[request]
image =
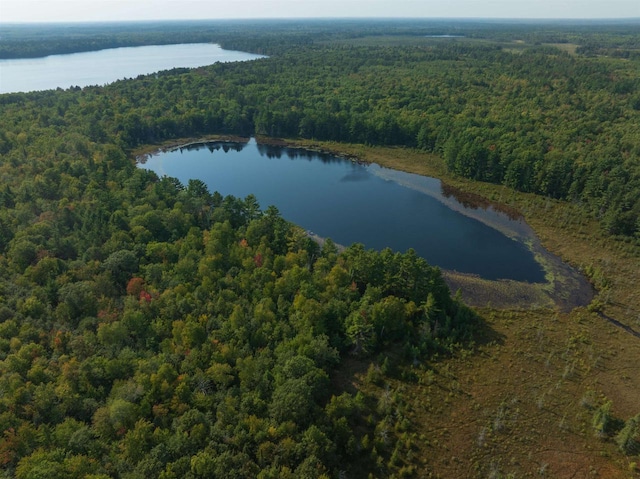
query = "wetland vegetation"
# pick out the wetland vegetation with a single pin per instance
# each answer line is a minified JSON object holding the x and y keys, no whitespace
{"x":150,"y":328}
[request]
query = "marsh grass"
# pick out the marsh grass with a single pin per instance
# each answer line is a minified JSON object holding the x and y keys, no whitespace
{"x":559,"y":363}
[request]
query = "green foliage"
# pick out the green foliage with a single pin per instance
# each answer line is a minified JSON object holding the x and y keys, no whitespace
{"x":603,"y":421}
{"x":628,"y":439}
{"x":148,"y":329}
{"x":495,"y":114}
{"x":121,"y":265}
{"x":141,"y":336}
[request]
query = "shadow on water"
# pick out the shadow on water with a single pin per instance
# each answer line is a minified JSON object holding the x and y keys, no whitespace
{"x":563,"y":287}
{"x":367,"y":210}
{"x":473,"y":201}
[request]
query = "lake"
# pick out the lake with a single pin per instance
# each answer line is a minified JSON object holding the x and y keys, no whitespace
{"x":106,"y":66}
{"x":351,"y":202}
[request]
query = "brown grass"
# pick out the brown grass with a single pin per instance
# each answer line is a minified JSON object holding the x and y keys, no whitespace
{"x":520,"y":403}
{"x":565,"y":47}
{"x":503,"y":294}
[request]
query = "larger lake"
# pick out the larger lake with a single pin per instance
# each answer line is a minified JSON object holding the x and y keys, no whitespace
{"x":351,"y":202}
{"x":106,"y":66}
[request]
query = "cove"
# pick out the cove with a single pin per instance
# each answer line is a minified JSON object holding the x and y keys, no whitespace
{"x":351,"y":202}
{"x":106,"y":66}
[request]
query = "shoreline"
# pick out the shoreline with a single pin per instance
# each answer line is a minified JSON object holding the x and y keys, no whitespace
{"x":565,"y":287}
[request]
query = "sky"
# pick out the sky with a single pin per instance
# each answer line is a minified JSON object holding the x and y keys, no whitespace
{"x":126,"y":10}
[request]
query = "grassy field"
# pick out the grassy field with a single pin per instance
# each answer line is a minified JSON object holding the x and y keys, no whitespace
{"x":570,"y":48}
{"x":520,"y":401}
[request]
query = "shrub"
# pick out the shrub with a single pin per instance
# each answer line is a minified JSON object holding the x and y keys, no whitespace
{"x":628,"y":439}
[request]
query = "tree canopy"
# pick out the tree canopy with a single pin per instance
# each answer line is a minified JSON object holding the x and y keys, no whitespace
{"x":535,"y":117}
{"x":154,"y":329}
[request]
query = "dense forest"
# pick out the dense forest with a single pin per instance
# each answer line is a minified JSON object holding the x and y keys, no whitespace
{"x":617,"y":38}
{"x":490,"y":111}
{"x":154,"y":329}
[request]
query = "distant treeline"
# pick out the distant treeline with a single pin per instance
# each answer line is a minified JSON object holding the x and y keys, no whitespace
{"x":613,"y":38}
{"x":154,"y":329}
{"x":536,"y":119}
{"x":30,"y":41}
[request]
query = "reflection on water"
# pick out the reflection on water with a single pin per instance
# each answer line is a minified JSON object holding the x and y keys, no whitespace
{"x":471,"y":201}
{"x":352,"y":202}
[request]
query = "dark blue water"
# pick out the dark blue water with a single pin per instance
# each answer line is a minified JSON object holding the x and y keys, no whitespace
{"x":351,"y":202}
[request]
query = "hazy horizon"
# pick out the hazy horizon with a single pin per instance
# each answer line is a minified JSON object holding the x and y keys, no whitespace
{"x":585,"y":20}
{"x":79,"y":11}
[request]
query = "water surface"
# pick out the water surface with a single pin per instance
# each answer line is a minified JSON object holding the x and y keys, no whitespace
{"x":351,"y":202}
{"x":106,"y":66}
